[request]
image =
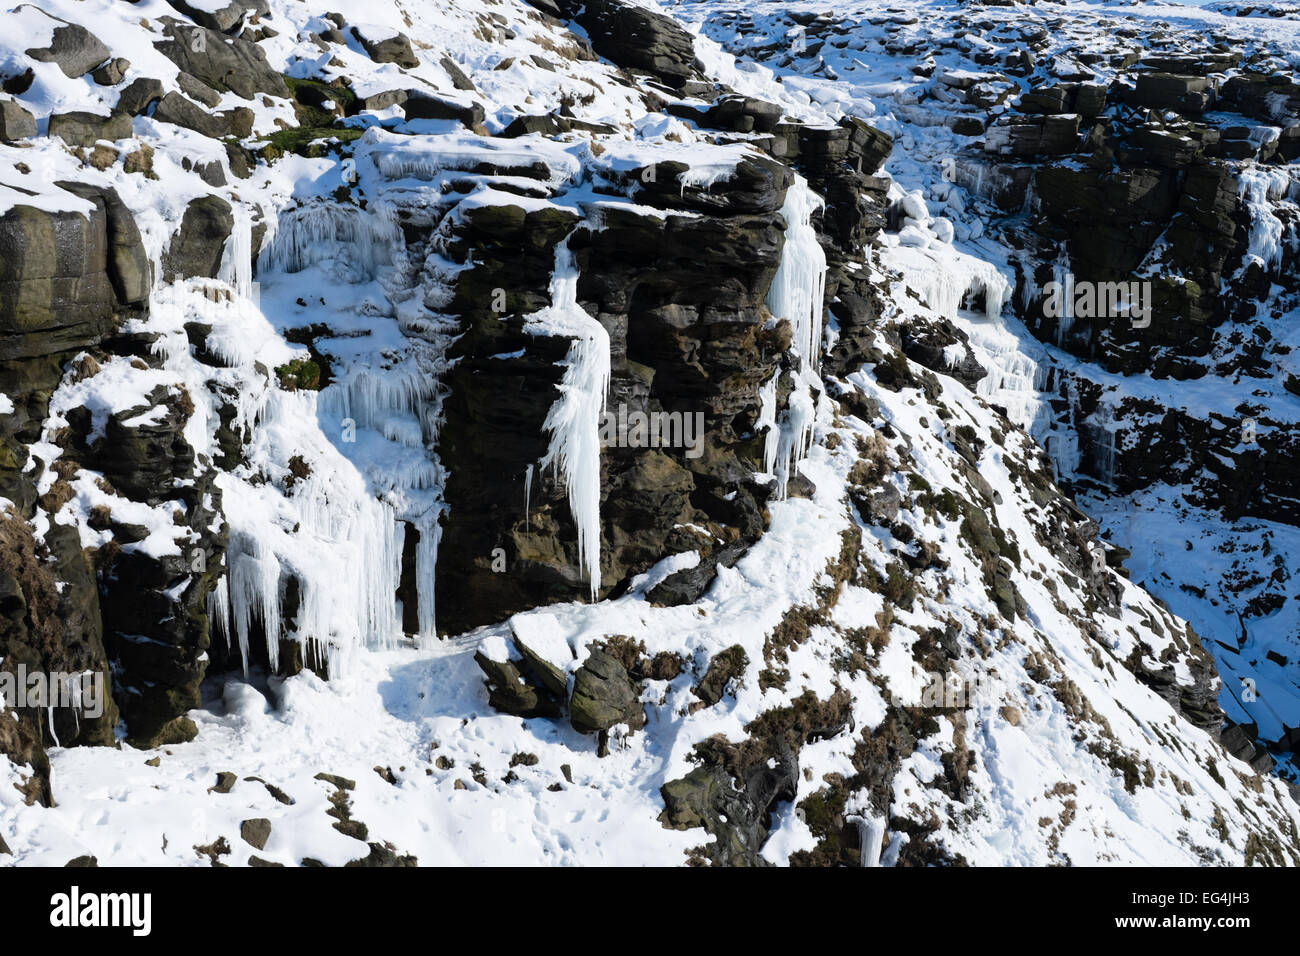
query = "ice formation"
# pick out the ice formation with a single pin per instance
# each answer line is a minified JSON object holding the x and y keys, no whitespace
{"x":797,"y":294}
{"x":574,"y":420}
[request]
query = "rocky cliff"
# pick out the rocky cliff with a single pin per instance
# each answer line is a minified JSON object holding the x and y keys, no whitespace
{"x":445,"y":425}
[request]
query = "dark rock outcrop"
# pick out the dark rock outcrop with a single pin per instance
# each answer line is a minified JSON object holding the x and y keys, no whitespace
{"x":603,"y":696}
{"x":636,"y":38}
{"x":197,"y":246}
{"x":222,"y":62}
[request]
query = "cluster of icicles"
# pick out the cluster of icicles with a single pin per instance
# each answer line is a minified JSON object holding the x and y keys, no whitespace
{"x":348,"y":520}
{"x":323,"y":564}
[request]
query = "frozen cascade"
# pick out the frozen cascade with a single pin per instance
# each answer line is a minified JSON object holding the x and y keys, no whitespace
{"x":330,"y":529}
{"x":528,"y":495}
{"x":944,"y":284}
{"x":1064,"y":280}
{"x":357,"y":240}
{"x":236,"y":268}
{"x":1262,"y":188}
{"x":253,"y":574}
{"x":871,"y":832}
{"x":574,"y":419}
{"x":797,"y":294}
{"x":347,"y":520}
{"x":798,"y":291}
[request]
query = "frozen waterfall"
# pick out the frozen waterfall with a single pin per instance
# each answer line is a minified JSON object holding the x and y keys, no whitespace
{"x":797,"y":294}
{"x":574,"y":419}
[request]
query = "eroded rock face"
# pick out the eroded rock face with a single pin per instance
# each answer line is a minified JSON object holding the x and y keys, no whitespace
{"x":64,"y":276}
{"x":680,"y":297}
{"x":48,"y":632}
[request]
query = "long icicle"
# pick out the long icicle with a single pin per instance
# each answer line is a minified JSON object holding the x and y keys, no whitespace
{"x":574,"y":419}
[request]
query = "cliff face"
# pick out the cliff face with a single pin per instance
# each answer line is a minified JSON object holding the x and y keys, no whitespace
{"x":574,"y":403}
{"x":1143,"y":199}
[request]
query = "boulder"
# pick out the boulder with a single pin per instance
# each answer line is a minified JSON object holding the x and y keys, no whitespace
{"x":511,"y":692}
{"x":421,"y":105}
{"x":139,"y":95}
{"x":197,"y":246}
{"x":227,"y":19}
{"x":181,"y":111}
{"x":222,"y":62}
{"x":603,"y":696}
{"x":112,"y":72}
{"x":636,"y":38}
{"x":197,"y":90}
{"x":86,"y":129}
{"x":15,"y":122}
{"x":394,"y":48}
{"x":255,"y":832}
{"x":74,"y":48}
